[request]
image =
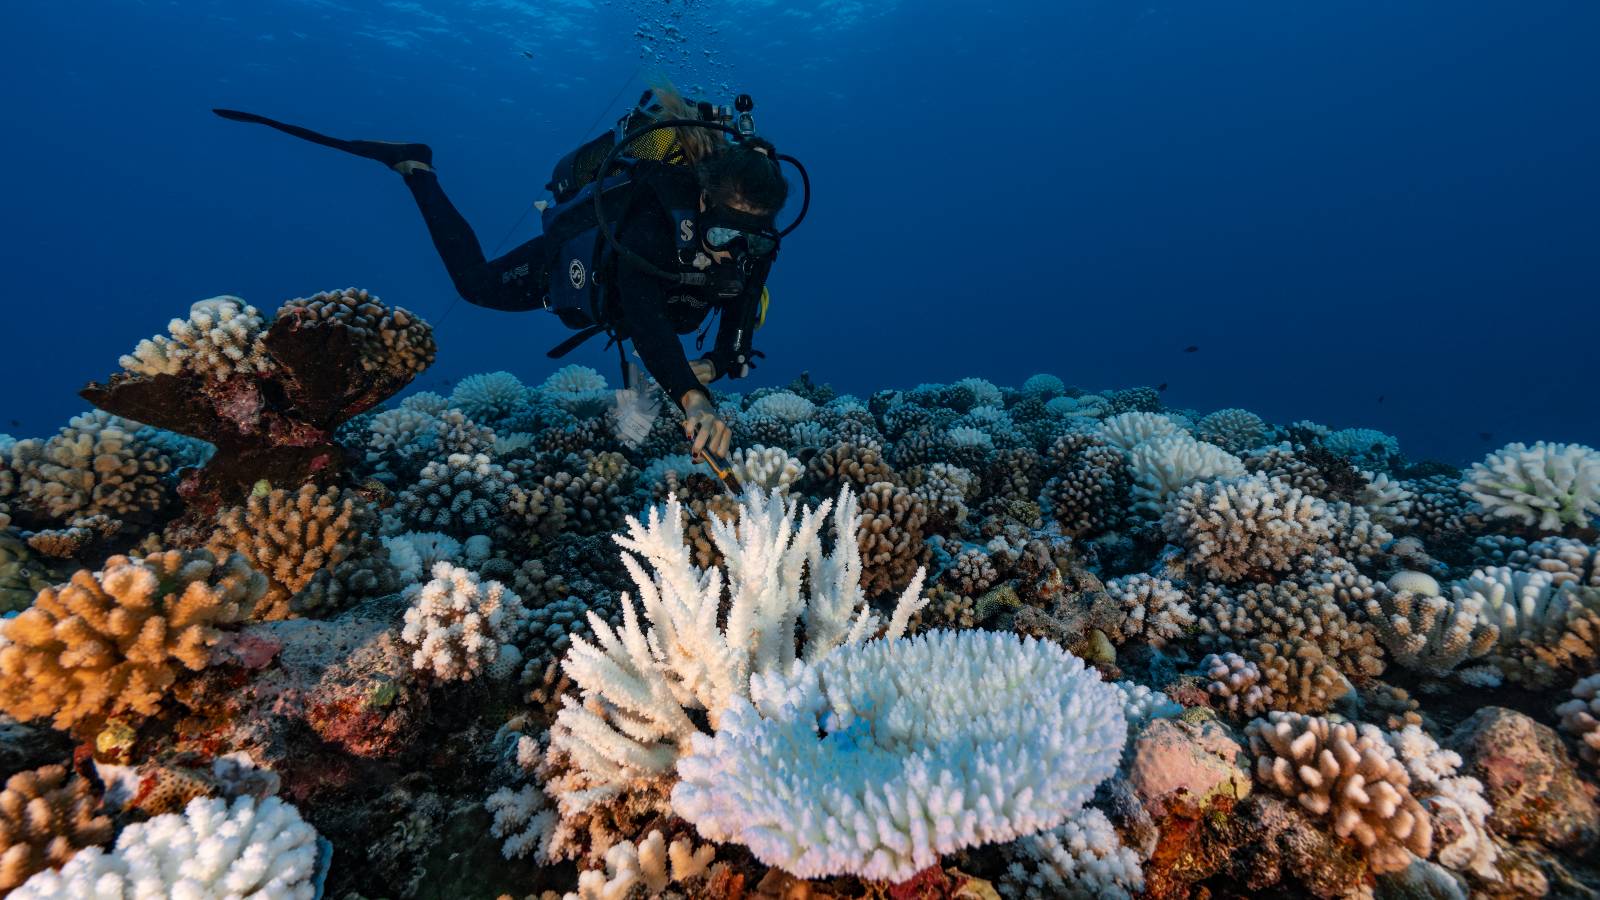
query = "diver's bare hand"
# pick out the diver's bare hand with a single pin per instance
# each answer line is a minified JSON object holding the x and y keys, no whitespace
{"x":702,"y":427}
{"x":704,"y":370}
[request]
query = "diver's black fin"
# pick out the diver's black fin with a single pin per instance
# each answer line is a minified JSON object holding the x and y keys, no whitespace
{"x":389,"y":153}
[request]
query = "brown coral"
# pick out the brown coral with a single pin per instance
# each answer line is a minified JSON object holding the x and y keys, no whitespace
{"x":1348,"y":774}
{"x":94,"y":465}
{"x":45,"y":819}
{"x":1298,"y":677}
{"x":891,"y":537}
{"x":1247,"y":528}
{"x":114,"y":641}
{"x":857,"y":465}
{"x":1302,"y":609}
{"x":317,"y":548}
{"x":1089,"y":493}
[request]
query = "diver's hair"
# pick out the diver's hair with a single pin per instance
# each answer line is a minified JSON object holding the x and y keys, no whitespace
{"x":747,"y":172}
{"x":696,"y":143}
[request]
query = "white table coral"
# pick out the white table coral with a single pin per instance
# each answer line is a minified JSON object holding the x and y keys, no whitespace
{"x":883,"y":756}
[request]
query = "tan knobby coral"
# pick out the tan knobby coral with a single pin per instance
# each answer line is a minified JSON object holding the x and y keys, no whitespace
{"x":46,"y":818}
{"x":316,"y":547}
{"x":1349,"y":774}
{"x":1431,"y":634}
{"x":1580,"y":717}
{"x":94,"y":465}
{"x":113,"y":642}
{"x":221,"y":338}
{"x":391,"y":337}
{"x":1236,"y":685}
{"x":891,"y":537}
{"x":1247,"y":527}
{"x":1152,"y":609}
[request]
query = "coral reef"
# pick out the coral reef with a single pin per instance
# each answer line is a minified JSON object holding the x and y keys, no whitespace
{"x":842,"y":766}
{"x":327,"y":358}
{"x":114,"y":641}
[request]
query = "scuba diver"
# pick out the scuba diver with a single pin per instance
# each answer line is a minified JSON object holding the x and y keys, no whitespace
{"x":658,"y":224}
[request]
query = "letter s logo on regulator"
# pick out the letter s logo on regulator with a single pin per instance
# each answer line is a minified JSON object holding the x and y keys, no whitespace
{"x":576,"y":274}
{"x":686,"y":230}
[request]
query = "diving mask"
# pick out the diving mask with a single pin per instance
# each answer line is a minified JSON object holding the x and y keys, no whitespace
{"x":725,"y":229}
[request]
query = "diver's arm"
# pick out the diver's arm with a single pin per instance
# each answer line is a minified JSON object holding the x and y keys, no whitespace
{"x":736,"y":329}
{"x":512,"y":283}
{"x":643,"y":301}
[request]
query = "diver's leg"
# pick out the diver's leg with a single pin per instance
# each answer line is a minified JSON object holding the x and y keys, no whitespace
{"x":514,"y":281}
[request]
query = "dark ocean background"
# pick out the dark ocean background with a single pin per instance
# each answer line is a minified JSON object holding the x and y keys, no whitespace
{"x":1370,"y":214}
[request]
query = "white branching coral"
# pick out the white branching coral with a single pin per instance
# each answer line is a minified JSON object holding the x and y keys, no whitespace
{"x":650,"y":866}
{"x":616,"y":743}
{"x":784,"y":406}
{"x":1348,"y":773}
{"x":524,"y":818}
{"x":577,"y":389}
{"x":221,"y":338}
{"x":1545,"y":626}
{"x":405,"y":432}
{"x":1580,"y":717}
{"x":881,"y":757}
{"x":1247,"y":526}
{"x":462,"y":627}
{"x":770,"y":468}
{"x":212,"y":851}
{"x":1431,"y":634}
{"x":416,"y":552}
{"x":1080,"y":859}
{"x":1388,"y":501}
{"x":1456,"y":804}
{"x":1548,"y":486}
{"x":1165,"y":465}
{"x":1154,"y":610}
{"x":1130,"y":429}
{"x":489,"y":397}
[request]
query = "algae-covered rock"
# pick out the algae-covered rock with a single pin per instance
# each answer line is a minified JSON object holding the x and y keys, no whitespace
{"x":1528,"y":778}
{"x":1191,"y":763}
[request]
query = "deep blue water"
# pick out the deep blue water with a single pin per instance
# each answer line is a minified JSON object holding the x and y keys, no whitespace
{"x":1337,"y":202}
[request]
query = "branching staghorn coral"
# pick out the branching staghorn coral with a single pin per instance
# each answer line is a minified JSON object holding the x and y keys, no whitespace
{"x":1080,"y":859}
{"x":1153,"y":610}
{"x":46,"y":818}
{"x":1580,"y":718}
{"x":1163,"y":466}
{"x":1349,"y":774}
{"x":461,"y":627}
{"x":221,"y":338}
{"x":112,"y":642}
{"x":319,"y":549}
{"x":878,"y":758}
{"x":212,"y":851}
{"x":613,"y":748}
{"x":1547,"y":486}
{"x":1247,"y":527}
{"x":94,"y":466}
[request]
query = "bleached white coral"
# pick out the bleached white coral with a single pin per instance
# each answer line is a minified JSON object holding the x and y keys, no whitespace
{"x":1089,"y":406}
{"x":578,"y":389}
{"x":967,"y":436}
{"x":461,"y":627}
{"x":784,"y":406}
{"x":1546,"y":485}
{"x":212,"y":850}
{"x":1141,"y":704}
{"x":1546,"y":625}
{"x":882,"y":756}
{"x":984,"y":390}
{"x":1130,"y":429}
{"x":405,"y":432}
{"x":1043,"y":385}
{"x":426,"y":402}
{"x":1080,"y":859}
{"x":1164,"y":465}
{"x":770,"y":468}
{"x":221,"y":338}
{"x":489,"y":397}
{"x":1459,"y":811}
{"x":1154,"y":610}
{"x":639,"y":683}
{"x":1388,"y":500}
{"x":525,"y":820}
{"x":415,"y":552}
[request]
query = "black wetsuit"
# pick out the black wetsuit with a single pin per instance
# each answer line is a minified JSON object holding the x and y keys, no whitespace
{"x":643,"y":308}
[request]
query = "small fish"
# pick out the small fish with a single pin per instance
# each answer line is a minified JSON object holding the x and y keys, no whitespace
{"x":527,"y":54}
{"x":1191,"y":349}
{"x":1161,"y":388}
{"x":1485,"y":435}
{"x":1380,"y":398}
{"x":15,"y":423}
{"x":261,"y":488}
{"x":541,"y":205}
